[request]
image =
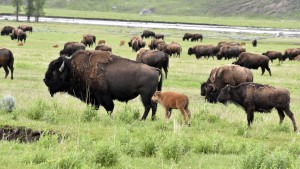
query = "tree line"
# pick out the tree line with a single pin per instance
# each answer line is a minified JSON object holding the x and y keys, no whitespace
{"x":32,"y":8}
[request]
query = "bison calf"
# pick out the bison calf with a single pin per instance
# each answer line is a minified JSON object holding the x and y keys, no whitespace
{"x":257,"y":97}
{"x":172,"y":100}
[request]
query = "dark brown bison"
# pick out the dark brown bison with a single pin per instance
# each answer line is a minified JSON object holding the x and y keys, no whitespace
{"x":147,"y":34}
{"x":90,"y":35}
{"x":18,"y":34}
{"x":154,"y":43}
{"x":222,"y":76}
{"x":172,"y":100}
{"x":254,"y":61}
{"x":7,"y":62}
{"x":154,"y":58}
{"x":291,"y":53}
{"x":272,"y":55}
{"x":25,"y":28}
{"x":71,"y":47}
{"x":103,"y":48}
{"x":257,"y":97}
{"x":196,"y":37}
{"x":171,"y":49}
{"x":137,"y":44}
{"x":99,"y":77}
{"x":6,"y":30}
{"x":254,"y":43}
{"x":135,"y":37}
{"x":87,"y":40}
{"x":187,"y":36}
{"x":159,"y":36}
{"x":203,"y":50}
{"x":229,"y":52}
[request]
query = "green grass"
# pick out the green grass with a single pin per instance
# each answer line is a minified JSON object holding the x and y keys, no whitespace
{"x":218,"y":136}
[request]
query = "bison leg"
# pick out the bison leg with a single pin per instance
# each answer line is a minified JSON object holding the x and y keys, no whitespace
{"x":167,"y":116}
{"x":166,"y":70}
{"x":262,"y":70}
{"x":291,"y":116}
{"x":281,"y":115}
{"x":147,"y":105}
{"x":11,"y":72}
{"x":183,"y":113}
{"x":6,"y":71}
{"x":154,"y":109}
{"x":269,"y":70}
{"x":189,"y":116}
{"x":250,"y":117}
{"x":170,"y":112}
{"x":108,"y":104}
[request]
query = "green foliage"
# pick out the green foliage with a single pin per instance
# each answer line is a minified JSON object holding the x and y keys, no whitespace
{"x":254,"y":158}
{"x":89,"y":113}
{"x":128,"y":115}
{"x":106,"y":155}
{"x":48,"y":141}
{"x":36,"y":157}
{"x":71,"y":161}
{"x":173,"y":148}
{"x":149,"y":146}
{"x":207,"y":145}
{"x":278,"y":159}
{"x":37,"y":110}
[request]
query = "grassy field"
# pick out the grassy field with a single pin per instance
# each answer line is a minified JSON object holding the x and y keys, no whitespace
{"x":218,"y":136}
{"x":219,"y":20}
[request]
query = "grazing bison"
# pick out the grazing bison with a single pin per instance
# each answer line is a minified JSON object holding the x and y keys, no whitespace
{"x":229,"y":52}
{"x":172,"y":100}
{"x":203,"y":50}
{"x":25,"y":28}
{"x":6,"y":30}
{"x":196,"y":37}
{"x":154,"y":43}
{"x":122,"y":43}
{"x":291,"y":53}
{"x":272,"y":55}
{"x":135,"y":37}
{"x":187,"y":36}
{"x":137,"y":44}
{"x":71,"y":47}
{"x":18,"y":34}
{"x":154,"y":58}
{"x":159,"y":36}
{"x":99,"y":77}
{"x":257,"y":97}
{"x":222,"y":76}
{"x":87,"y":40}
{"x":92,"y":36}
{"x":171,"y":49}
{"x":147,"y":34}
{"x":254,"y":43}
{"x":254,"y":61}
{"x":103,"y":48}
{"x":101,"y":42}
{"x":7,"y":62}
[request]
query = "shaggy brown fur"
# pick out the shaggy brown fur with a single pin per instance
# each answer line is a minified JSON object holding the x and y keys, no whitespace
{"x":172,"y":100}
{"x":101,"y":42}
{"x":122,"y":42}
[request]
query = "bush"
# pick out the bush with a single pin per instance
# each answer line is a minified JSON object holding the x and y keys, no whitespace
{"x":206,"y":146}
{"x":148,"y":147}
{"x":89,"y":114}
{"x":70,"y":162}
{"x":106,"y":155}
{"x":278,"y":159}
{"x":8,"y":103}
{"x":128,"y":115}
{"x":37,"y":110}
{"x":173,"y":149}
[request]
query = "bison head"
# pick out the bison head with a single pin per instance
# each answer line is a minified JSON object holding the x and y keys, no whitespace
{"x":203,"y":89}
{"x":211,"y":93}
{"x":57,"y":76}
{"x":191,"y":51}
{"x":156,"y":96}
{"x":224,"y":95}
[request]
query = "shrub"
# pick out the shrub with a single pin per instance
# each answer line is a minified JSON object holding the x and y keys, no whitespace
{"x":70,"y":162}
{"x":8,"y":103}
{"x":37,"y":110}
{"x":106,"y":155}
{"x":148,"y":147}
{"x":128,"y":115}
{"x":89,"y":114}
{"x":173,"y":149}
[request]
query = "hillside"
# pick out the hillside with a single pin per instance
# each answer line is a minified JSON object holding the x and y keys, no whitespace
{"x":245,"y":8}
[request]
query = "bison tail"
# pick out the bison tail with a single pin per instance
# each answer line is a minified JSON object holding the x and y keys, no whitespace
{"x":159,"y":85}
{"x":11,"y":63}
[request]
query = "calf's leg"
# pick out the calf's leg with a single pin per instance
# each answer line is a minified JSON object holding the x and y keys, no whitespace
{"x":183,"y":113}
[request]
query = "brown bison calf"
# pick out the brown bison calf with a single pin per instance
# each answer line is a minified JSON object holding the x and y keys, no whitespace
{"x":122,"y":43}
{"x":172,"y":100}
{"x":257,"y":97}
{"x":101,"y":42}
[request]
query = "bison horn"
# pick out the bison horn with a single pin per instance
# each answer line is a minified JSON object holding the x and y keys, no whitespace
{"x":62,"y":67}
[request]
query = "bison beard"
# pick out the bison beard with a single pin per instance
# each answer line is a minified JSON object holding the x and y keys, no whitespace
{"x":98,"y":78}
{"x":261,"y":98}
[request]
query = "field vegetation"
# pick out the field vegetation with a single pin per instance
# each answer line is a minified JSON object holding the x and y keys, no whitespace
{"x":218,"y":136}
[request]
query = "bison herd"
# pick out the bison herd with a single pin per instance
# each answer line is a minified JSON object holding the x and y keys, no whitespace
{"x":98,"y":77}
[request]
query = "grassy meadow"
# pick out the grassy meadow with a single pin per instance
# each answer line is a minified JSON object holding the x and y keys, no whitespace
{"x":218,"y":136}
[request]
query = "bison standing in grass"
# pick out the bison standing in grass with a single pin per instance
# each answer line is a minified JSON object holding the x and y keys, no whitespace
{"x":7,"y":61}
{"x":203,"y":50}
{"x":25,"y":28}
{"x":6,"y":30}
{"x":172,"y":100}
{"x":99,"y":77}
{"x":187,"y":36}
{"x":261,"y":98}
{"x":147,"y":34}
{"x":291,"y":53}
{"x":272,"y":55}
{"x":196,"y":37}
{"x":71,"y":47}
{"x":254,"y":61}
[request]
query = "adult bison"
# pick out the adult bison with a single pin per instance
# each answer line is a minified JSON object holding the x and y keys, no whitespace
{"x":90,"y":35}
{"x":257,"y":97}
{"x":71,"y":47}
{"x":99,"y":77}
{"x":272,"y":55}
{"x":18,"y":34}
{"x":25,"y":28}
{"x":203,"y":50}
{"x":147,"y":34}
{"x":171,"y":49}
{"x":196,"y":37}
{"x":154,"y":43}
{"x":254,"y":42}
{"x":7,"y":62}
{"x":159,"y":36}
{"x":88,"y":40}
{"x":254,"y":61}
{"x":222,"y":76}
{"x":187,"y":36}
{"x":229,"y":52}
{"x":154,"y":58}
{"x":103,"y":48}
{"x":291,"y":53}
{"x":6,"y":30}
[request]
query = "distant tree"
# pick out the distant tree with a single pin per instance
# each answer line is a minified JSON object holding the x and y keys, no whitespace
{"x":39,"y":9}
{"x":29,"y":9}
{"x":17,"y":4}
